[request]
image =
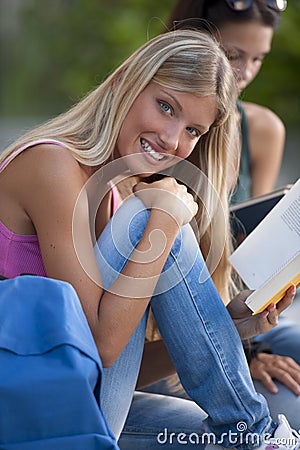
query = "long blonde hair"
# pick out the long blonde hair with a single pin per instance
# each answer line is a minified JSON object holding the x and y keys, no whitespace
{"x":185,"y":60}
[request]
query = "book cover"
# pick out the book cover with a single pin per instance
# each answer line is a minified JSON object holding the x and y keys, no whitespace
{"x":268,"y":260}
{"x":246,"y":215}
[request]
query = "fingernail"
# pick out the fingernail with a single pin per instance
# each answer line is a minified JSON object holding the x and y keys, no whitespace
{"x":293,"y":289}
{"x":298,"y":390}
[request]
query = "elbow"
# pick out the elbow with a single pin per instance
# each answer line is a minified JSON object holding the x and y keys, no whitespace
{"x":109,"y":344}
{"x":107,"y":362}
{"x":108,"y":356}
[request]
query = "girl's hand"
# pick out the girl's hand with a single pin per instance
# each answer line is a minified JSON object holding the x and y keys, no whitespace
{"x":169,"y":196}
{"x":268,"y":367}
{"x":249,"y":325}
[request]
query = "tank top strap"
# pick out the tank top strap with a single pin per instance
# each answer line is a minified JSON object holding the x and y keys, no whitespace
{"x":29,"y":144}
{"x":245,"y":134}
{"x":115,"y":198}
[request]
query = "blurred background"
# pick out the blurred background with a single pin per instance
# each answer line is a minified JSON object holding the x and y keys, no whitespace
{"x":54,"y":52}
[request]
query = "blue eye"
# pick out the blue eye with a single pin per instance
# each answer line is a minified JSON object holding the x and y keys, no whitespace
{"x":165,"y":107}
{"x":193,"y":131}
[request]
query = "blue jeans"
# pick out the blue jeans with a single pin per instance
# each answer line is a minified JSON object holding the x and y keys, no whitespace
{"x":283,"y":340}
{"x":157,"y":422}
{"x":159,"y":407}
{"x":197,"y":330}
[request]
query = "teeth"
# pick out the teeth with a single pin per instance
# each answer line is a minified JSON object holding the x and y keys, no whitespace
{"x":150,"y":151}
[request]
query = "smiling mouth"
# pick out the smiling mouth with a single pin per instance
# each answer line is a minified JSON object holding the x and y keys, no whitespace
{"x":149,"y":150}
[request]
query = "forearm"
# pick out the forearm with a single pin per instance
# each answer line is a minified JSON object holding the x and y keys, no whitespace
{"x":123,"y":305}
{"x":156,"y":364}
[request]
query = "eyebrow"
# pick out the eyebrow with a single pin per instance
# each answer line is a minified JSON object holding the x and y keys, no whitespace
{"x":233,"y":47}
{"x":174,"y":99}
{"x":202,"y":128}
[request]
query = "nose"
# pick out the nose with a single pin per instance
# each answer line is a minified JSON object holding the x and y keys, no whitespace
{"x":245,"y":72}
{"x":170,"y":138}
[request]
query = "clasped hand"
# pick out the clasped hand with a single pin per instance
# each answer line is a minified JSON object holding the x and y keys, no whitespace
{"x":249,"y":325}
{"x":168,"y":196}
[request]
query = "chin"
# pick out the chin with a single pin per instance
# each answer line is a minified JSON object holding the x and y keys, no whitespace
{"x":148,"y":174}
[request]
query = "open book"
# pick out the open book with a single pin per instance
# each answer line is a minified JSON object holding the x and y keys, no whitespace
{"x":268,"y":260}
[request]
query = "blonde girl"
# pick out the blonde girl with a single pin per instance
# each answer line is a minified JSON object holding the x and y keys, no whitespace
{"x":173,"y":95}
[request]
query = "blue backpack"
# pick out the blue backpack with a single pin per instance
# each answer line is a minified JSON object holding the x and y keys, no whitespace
{"x":50,"y":370}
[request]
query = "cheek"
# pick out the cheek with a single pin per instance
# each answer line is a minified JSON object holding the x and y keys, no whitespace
{"x":257,"y":68}
{"x":129,"y":127}
{"x":142,"y":122}
{"x":254,"y":72}
{"x":186,"y":148}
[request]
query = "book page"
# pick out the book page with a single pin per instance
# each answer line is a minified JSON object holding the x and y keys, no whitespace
{"x":272,"y":244}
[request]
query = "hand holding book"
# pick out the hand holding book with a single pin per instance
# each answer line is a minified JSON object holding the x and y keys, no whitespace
{"x":250,"y":325}
{"x":268,"y":260}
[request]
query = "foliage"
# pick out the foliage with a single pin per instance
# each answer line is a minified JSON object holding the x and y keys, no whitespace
{"x":277,"y":85}
{"x":64,"y":48}
{"x":54,"y":52}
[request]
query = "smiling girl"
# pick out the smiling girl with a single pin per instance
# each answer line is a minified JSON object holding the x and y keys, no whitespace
{"x":174,"y":95}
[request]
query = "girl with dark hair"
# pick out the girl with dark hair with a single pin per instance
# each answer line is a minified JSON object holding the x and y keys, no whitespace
{"x":245,"y":29}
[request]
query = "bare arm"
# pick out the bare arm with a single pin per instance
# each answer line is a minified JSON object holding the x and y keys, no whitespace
{"x":266,"y":140}
{"x":49,"y":195}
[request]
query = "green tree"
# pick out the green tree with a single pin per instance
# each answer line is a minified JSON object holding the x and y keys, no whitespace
{"x":278,"y":85}
{"x":64,"y":48}
{"x":52,"y":53}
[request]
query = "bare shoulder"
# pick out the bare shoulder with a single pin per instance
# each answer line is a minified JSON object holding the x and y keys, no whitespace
{"x":47,"y":159}
{"x":47,"y":168}
{"x":263,"y":120}
{"x":266,"y":136}
{"x":35,"y":180}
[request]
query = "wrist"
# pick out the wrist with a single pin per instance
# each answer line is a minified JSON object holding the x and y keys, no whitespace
{"x":164,"y":221}
{"x":252,"y":348}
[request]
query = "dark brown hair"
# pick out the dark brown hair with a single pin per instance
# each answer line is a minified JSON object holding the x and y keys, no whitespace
{"x":209,"y":14}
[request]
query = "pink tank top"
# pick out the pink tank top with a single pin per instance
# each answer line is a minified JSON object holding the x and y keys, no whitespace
{"x":21,"y":254}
